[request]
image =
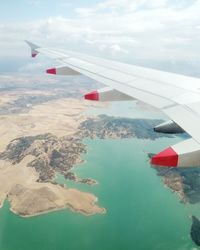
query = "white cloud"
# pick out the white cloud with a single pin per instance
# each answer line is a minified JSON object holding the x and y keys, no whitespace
{"x":33,"y":67}
{"x":116,"y":49}
{"x":130,"y":30}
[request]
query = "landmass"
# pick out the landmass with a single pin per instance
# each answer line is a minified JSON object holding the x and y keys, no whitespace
{"x":195,"y":231}
{"x":104,"y":127}
{"x":53,"y":154}
{"x":42,"y":129}
{"x":183,"y":181}
{"x":45,"y":138}
{"x":37,"y":126}
{"x":28,"y":164}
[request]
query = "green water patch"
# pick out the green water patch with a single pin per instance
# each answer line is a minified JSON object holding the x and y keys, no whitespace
{"x":141,"y":212}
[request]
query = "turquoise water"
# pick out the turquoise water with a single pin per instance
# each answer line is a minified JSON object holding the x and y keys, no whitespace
{"x":142,"y":214}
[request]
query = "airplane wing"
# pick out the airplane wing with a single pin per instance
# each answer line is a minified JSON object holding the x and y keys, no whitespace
{"x":177,"y":96}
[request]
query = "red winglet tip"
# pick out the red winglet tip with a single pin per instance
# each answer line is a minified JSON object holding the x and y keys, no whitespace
{"x":34,"y":55}
{"x":167,"y":157}
{"x":92,"y":96}
{"x":51,"y":71}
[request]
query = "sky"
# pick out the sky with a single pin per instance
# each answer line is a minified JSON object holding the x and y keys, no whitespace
{"x":162,"y":34}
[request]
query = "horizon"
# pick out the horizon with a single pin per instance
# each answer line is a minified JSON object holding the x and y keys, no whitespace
{"x":160,"y":34}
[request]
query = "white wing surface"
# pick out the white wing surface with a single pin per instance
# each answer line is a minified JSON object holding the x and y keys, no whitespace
{"x":176,"y":95}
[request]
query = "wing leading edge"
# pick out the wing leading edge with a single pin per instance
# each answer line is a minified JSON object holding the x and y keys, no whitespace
{"x":176,"y":95}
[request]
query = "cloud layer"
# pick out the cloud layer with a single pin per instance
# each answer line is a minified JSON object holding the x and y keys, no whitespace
{"x":136,"y":31}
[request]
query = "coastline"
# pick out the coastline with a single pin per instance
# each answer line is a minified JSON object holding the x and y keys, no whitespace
{"x":55,"y":144}
{"x":56,"y":210}
{"x":67,"y":116}
{"x":122,"y":192}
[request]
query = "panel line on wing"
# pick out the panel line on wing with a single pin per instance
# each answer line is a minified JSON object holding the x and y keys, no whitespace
{"x":175,"y":91}
{"x":124,"y":83}
{"x":165,"y":101}
{"x":110,"y":66}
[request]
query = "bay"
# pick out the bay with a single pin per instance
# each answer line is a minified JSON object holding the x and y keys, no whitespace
{"x":142,"y":213}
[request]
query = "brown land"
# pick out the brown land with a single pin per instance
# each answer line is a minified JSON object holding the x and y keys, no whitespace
{"x":18,"y":183}
{"x":61,"y":118}
{"x":41,"y":133}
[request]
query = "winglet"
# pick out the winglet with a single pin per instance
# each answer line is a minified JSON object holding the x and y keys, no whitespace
{"x":167,"y":157}
{"x":34,"y":47}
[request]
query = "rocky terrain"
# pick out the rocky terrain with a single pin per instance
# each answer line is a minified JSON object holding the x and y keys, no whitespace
{"x":51,"y":155}
{"x":54,"y":154}
{"x":104,"y":126}
{"x":37,"y":131}
{"x":185,"y":182}
{"x":42,"y":132}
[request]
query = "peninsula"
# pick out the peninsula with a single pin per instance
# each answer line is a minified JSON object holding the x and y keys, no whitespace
{"x":42,"y":130}
{"x":184,"y":182}
{"x":38,"y":123}
{"x":48,"y":139}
